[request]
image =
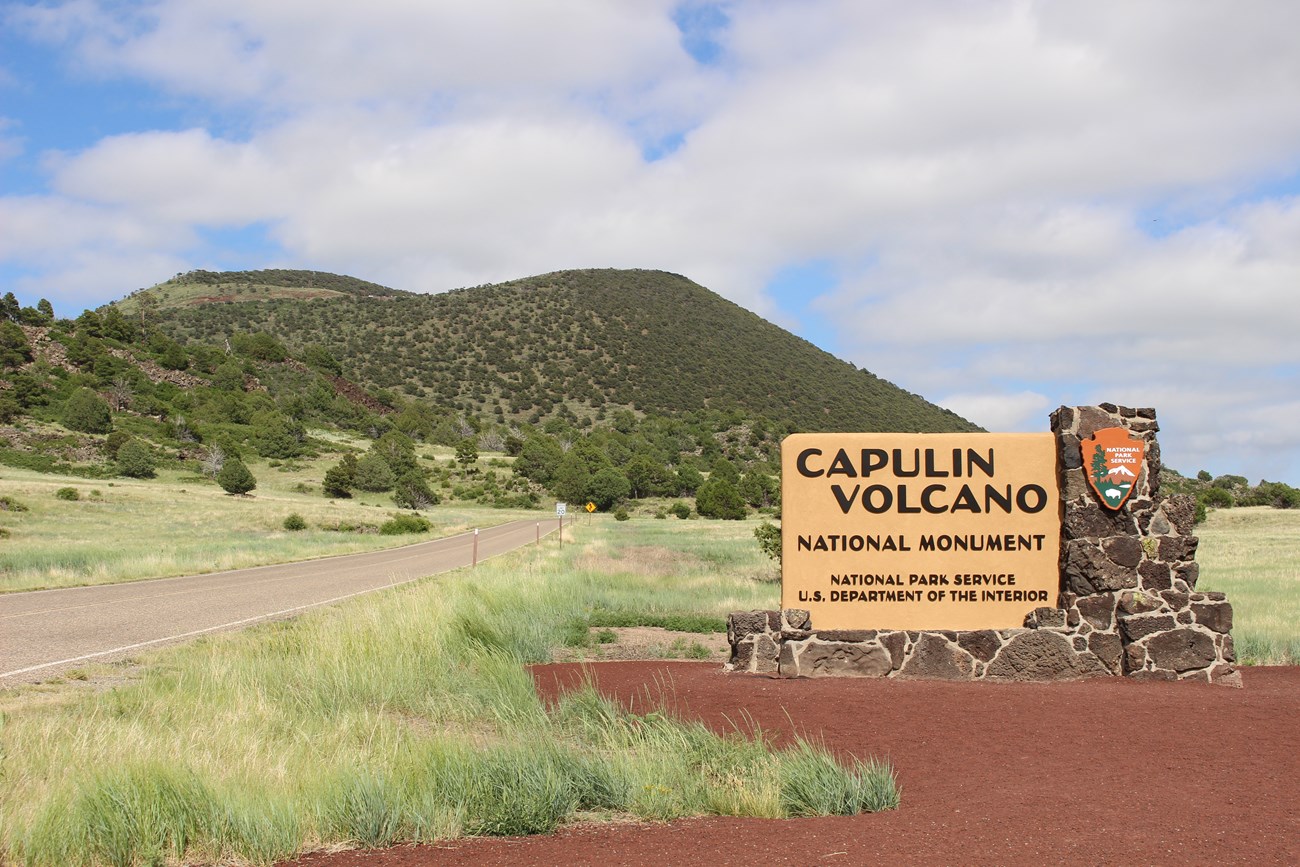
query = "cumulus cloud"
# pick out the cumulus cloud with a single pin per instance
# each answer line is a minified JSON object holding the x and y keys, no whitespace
{"x":1025,"y":203}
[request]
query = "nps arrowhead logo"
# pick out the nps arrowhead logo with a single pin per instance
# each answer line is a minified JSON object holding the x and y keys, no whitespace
{"x":1113,"y":460}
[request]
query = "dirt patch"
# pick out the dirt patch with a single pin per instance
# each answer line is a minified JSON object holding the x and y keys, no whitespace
{"x":646,"y":642}
{"x":1105,"y":771}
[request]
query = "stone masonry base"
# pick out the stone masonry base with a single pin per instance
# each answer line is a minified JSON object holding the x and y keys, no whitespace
{"x":1127,"y":605}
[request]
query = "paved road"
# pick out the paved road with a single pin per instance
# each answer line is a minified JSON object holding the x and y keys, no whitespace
{"x":47,"y":631}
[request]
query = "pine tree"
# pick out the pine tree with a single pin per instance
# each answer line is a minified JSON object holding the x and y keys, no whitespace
{"x":235,"y":478}
{"x":1099,"y":468}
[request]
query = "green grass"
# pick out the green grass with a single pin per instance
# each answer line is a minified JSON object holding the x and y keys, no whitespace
{"x":180,"y":524}
{"x":1253,"y":555}
{"x":403,"y":716}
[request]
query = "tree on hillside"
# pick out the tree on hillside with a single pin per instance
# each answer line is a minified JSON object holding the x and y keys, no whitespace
{"x":340,"y":478}
{"x":320,"y":358}
{"x":9,"y":307}
{"x":538,"y":459}
{"x":718,"y":498}
{"x":212,"y":462}
{"x":726,"y":470}
{"x":14,"y":351}
{"x":647,"y":476}
{"x":262,"y":346}
{"x":467,"y":454}
{"x":235,"y":478}
{"x":758,"y":489}
{"x":398,"y":450}
{"x":607,"y":488}
{"x":374,"y":474}
{"x":572,"y":479}
{"x":87,"y":412}
{"x":117,"y":327}
{"x":412,"y":492}
{"x":135,"y":459}
{"x":277,"y":436}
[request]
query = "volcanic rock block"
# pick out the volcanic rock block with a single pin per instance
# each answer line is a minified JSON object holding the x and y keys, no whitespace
{"x":1038,"y":655}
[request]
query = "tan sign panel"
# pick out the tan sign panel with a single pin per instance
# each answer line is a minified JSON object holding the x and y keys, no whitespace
{"x":919,"y":531}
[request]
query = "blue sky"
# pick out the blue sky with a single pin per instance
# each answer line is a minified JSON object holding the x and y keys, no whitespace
{"x":1003,"y":206}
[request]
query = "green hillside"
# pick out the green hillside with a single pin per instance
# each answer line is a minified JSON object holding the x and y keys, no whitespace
{"x":572,"y":344}
{"x":210,"y":287}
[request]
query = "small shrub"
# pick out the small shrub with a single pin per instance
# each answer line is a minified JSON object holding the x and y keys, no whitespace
{"x":680,"y":510}
{"x":69,"y":494}
{"x":769,"y":540}
{"x":606,"y":636}
{"x":114,"y":442}
{"x":399,"y":524}
{"x":295,"y":522}
{"x":697,"y":651}
{"x":4,"y":533}
{"x":621,"y":515}
{"x":9,"y":504}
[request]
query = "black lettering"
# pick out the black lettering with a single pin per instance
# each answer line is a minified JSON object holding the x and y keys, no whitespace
{"x":993,"y":495}
{"x":801,"y":464}
{"x":841,"y":466}
{"x":966,"y":501}
{"x":839,"y":497}
{"x":973,"y":459}
{"x":926,"y":503}
{"x":873,"y":459}
{"x":930,"y":471}
{"x":898,"y":464}
{"x":868,"y":501}
{"x":1040,"y":499}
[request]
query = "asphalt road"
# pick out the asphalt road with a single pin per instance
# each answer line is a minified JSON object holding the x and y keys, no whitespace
{"x":44,"y":632}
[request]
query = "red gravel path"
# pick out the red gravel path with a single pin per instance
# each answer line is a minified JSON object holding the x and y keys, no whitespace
{"x":1097,"y":772}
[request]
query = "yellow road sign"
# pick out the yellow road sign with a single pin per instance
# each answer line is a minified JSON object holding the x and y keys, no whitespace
{"x":591,"y":507}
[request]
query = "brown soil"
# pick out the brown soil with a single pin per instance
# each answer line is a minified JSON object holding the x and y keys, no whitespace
{"x":1096,"y":772}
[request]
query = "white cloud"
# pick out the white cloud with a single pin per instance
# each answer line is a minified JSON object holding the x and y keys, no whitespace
{"x":984,"y":175}
{"x":1025,"y":410}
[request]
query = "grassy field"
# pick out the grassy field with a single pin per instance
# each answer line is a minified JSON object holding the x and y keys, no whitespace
{"x":407,"y":715}
{"x":181,"y":524}
{"x":1253,"y":555}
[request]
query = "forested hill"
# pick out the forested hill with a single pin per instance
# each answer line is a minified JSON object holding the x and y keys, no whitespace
{"x":215,"y":287}
{"x":571,"y":343}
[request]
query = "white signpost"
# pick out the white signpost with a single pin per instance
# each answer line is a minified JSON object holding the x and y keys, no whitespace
{"x":560,"y":509}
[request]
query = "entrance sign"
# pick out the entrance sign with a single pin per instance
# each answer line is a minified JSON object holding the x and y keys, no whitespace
{"x":1112,"y":459}
{"x":919,"y":531}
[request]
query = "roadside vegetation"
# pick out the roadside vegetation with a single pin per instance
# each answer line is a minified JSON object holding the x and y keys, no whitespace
{"x":1253,"y":554}
{"x":115,"y":530}
{"x":405,"y":716}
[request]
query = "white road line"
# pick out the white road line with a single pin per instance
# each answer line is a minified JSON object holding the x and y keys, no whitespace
{"x":179,"y":636}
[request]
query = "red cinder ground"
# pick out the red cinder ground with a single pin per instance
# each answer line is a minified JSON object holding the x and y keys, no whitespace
{"x":1106,"y":771}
